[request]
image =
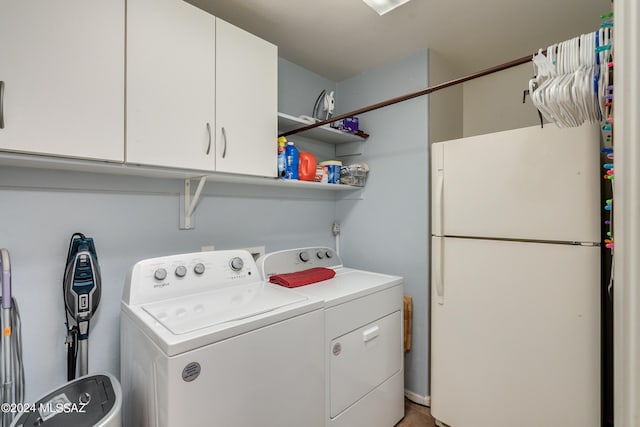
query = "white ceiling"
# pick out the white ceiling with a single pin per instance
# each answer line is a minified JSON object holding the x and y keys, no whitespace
{"x":341,"y":38}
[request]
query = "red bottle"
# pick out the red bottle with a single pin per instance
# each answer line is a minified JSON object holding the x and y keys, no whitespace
{"x":306,"y":166}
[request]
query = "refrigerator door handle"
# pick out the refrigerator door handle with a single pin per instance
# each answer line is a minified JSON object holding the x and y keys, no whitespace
{"x":438,"y":208}
{"x":438,"y":269}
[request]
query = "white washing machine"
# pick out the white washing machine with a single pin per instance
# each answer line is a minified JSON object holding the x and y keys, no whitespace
{"x":363,"y":341}
{"x":205,"y":342}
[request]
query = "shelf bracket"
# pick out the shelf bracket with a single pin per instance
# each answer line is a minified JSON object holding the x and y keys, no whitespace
{"x":355,"y":195}
{"x":188,"y":203}
{"x":353,"y":148}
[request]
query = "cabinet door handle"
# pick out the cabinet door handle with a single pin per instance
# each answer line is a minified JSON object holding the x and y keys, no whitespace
{"x":224,"y":136}
{"x":209,"y":133}
{"x":1,"y":105}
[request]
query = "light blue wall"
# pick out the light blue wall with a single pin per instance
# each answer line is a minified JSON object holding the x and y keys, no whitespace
{"x":130,"y":219}
{"x":387,"y":230}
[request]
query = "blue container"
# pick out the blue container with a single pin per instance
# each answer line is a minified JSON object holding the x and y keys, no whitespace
{"x":291,"y":161}
{"x":333,"y":170}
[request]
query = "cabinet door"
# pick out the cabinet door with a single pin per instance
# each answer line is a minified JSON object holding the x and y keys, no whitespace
{"x":170,"y":84}
{"x":246,"y":102}
{"x":62,"y":64}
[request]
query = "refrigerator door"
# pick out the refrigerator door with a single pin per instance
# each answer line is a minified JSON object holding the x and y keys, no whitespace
{"x":530,"y":183}
{"x":516,"y":341}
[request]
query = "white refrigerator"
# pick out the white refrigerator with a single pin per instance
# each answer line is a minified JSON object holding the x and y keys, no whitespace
{"x":515,"y":300}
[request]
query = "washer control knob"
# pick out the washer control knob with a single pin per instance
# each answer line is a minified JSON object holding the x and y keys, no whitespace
{"x":304,"y":256}
{"x":329,"y":254}
{"x":198,"y":268}
{"x":236,"y":264}
{"x":160,"y":274}
{"x":320,"y":254}
{"x":181,"y":271}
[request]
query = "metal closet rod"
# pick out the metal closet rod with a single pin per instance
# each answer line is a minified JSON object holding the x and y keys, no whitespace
{"x":412,"y":95}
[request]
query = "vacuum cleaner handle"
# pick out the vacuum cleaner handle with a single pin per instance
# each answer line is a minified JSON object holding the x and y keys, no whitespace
{"x":83,"y":348}
{"x":5,"y":265}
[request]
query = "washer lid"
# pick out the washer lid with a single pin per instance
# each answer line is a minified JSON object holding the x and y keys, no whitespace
{"x":197,"y":311}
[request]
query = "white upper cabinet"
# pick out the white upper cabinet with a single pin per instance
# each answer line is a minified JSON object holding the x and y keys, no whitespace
{"x":246,"y":102}
{"x":200,"y":93}
{"x":62,"y":73}
{"x":170,"y":85}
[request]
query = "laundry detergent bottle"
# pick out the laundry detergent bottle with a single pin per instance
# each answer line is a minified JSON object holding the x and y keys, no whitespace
{"x":292,"y":159}
{"x":282,"y":161}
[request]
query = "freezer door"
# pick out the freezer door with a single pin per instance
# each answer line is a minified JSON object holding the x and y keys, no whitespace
{"x":530,"y":183}
{"x":516,"y":341}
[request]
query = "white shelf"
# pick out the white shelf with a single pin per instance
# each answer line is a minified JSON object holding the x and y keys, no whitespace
{"x":79,"y":165}
{"x":322,"y":133}
{"x":276,"y":182}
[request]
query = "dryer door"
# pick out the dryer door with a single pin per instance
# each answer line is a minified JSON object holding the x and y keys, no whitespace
{"x":363,"y":359}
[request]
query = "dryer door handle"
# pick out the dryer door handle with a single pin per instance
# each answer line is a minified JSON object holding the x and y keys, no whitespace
{"x":371,"y":333}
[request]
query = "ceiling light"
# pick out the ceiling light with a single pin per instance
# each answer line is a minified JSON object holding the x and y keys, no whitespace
{"x":384,"y":6}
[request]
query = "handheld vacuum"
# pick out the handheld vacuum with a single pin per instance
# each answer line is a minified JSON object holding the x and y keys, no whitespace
{"x":81,"y":289}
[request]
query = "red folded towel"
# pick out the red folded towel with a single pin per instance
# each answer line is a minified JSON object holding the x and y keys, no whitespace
{"x":301,"y":278}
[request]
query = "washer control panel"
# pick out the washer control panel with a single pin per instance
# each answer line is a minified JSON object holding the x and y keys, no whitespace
{"x":178,"y":275}
{"x":293,"y":260}
{"x":316,"y":255}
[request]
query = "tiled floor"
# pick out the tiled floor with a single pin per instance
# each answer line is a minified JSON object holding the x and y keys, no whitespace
{"x":416,"y":416}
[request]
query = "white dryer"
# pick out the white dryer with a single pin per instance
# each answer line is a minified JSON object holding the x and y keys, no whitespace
{"x":363,"y":341}
{"x":205,"y":342}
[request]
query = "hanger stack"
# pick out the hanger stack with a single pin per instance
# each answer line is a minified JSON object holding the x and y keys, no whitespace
{"x":570,"y":83}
